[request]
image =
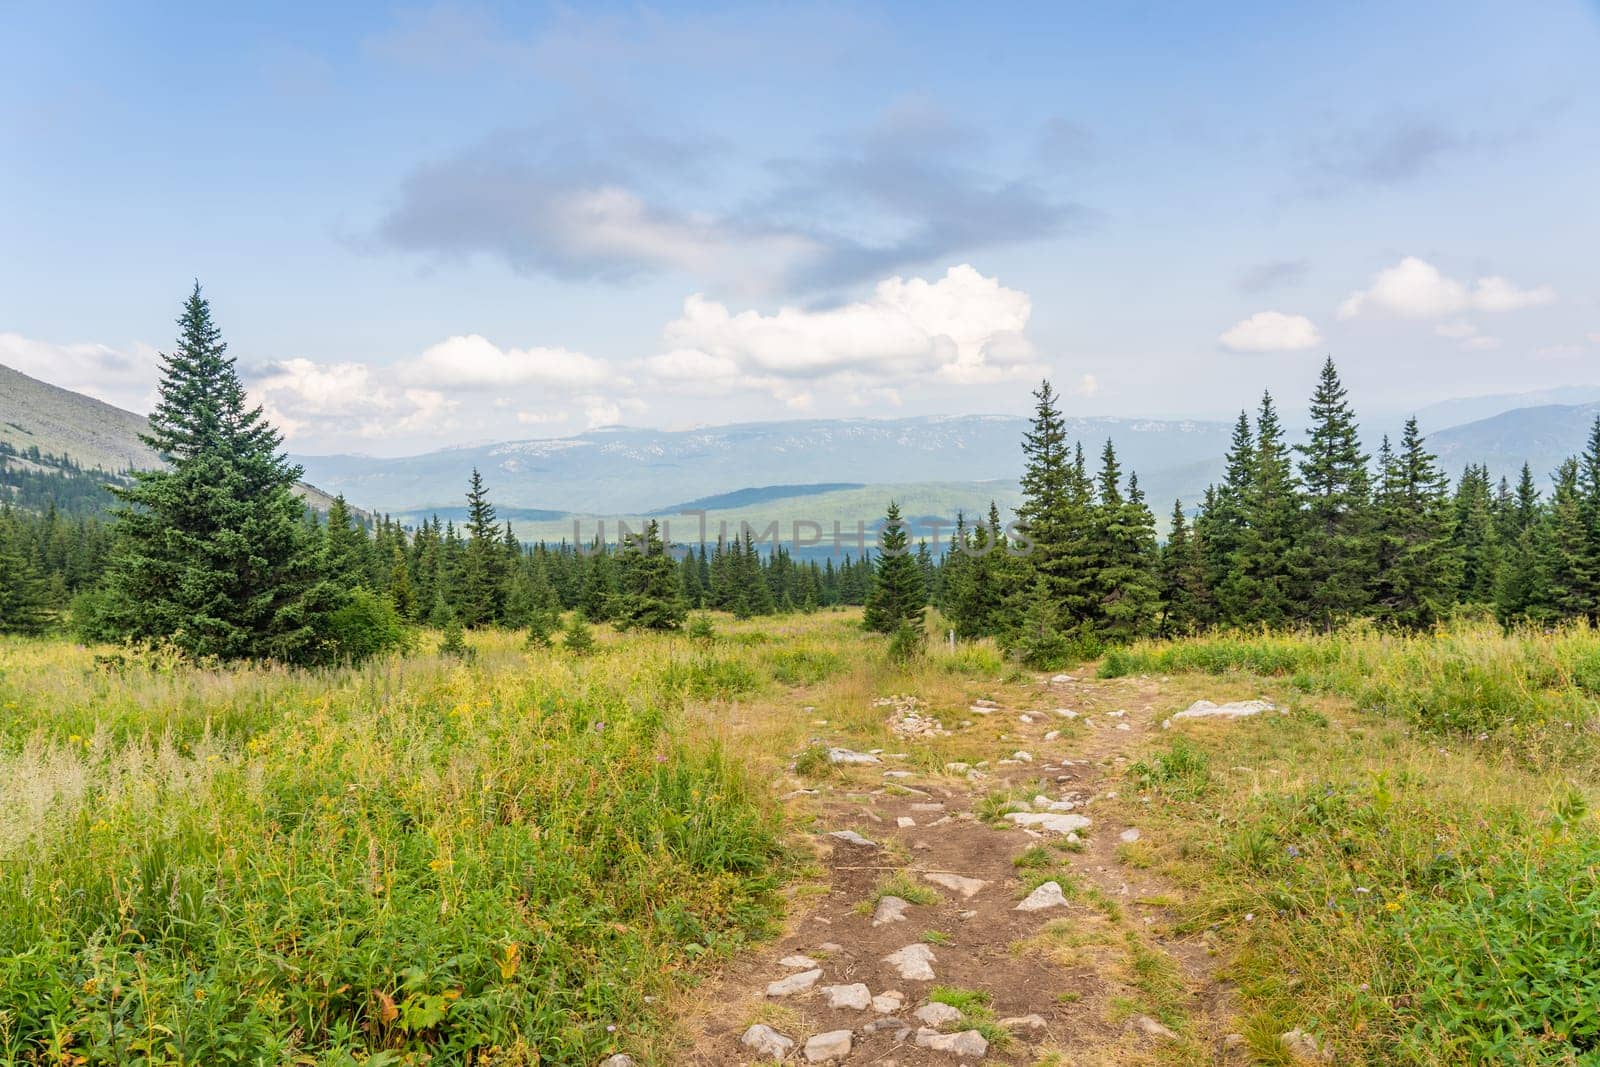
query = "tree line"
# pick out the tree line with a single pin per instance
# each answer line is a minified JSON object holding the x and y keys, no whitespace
{"x":216,"y":555}
{"x":1312,"y":534}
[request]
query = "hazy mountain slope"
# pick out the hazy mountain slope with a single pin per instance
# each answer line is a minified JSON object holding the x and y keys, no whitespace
{"x":1457,"y":413}
{"x":90,"y":431}
{"x":1543,"y":436}
{"x":59,"y":421}
{"x":630,"y":470}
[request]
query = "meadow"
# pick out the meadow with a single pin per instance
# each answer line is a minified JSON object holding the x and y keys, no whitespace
{"x":528,"y":856}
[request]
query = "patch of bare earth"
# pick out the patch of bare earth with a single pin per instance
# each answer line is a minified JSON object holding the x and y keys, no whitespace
{"x":1098,"y":979}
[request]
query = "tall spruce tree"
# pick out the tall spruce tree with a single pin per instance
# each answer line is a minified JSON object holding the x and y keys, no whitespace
{"x":896,"y":597}
{"x":1054,"y":514}
{"x":212,"y":553}
{"x":1568,"y":566}
{"x":1417,"y":568}
{"x":1182,"y":578}
{"x":24,"y":593}
{"x":1221,"y":526}
{"x":1334,"y":561}
{"x":1270,"y":514}
{"x":483,"y":563}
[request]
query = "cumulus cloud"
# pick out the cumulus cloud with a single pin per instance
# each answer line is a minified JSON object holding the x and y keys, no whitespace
{"x":1270,"y":331}
{"x":1414,"y":288}
{"x":124,"y":377}
{"x":474,"y":362}
{"x":963,"y":328}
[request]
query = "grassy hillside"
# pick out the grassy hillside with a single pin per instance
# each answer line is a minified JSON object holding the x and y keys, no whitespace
{"x":63,"y":423}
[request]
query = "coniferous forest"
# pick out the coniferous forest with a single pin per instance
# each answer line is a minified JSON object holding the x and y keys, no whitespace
{"x":216,"y":555}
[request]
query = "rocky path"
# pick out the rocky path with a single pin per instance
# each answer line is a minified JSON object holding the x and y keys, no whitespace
{"x":997,"y":912}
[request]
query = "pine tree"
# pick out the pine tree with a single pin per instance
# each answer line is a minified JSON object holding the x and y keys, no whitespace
{"x":896,"y":595}
{"x":1568,"y":567}
{"x":1221,"y":526}
{"x":577,"y":638}
{"x":1517,"y":584}
{"x":344,"y":546}
{"x":212,"y":553}
{"x":1417,"y":569}
{"x":24,"y":603}
{"x":1053,"y":514}
{"x":483,"y":571}
{"x":1475,"y":539}
{"x":1270,"y":522}
{"x":1334,"y":561}
{"x":649,"y":597}
{"x":1182,"y":578}
{"x":1130,"y":591}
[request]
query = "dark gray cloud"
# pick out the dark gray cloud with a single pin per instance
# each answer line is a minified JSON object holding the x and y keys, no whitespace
{"x":902,"y":193}
{"x":1263,"y":277}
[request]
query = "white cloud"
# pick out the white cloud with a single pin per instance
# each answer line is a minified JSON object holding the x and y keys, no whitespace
{"x":1480,"y":343}
{"x":961,"y":329}
{"x":1271,"y":331}
{"x":1456,"y":331}
{"x":126,"y":378}
{"x":1416,"y":289}
{"x":1087,"y":386}
{"x":474,"y":362}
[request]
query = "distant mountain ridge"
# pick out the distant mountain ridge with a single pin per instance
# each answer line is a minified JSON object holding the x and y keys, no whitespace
{"x":628,"y":471}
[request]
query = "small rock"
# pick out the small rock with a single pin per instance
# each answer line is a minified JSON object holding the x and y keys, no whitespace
{"x":852,"y":838}
{"x":1051,"y":735}
{"x":1024,"y":718}
{"x":1235,"y":1048}
{"x":846,"y":757}
{"x":1152,"y":1029}
{"x":797,"y":962}
{"x":1060,"y":679}
{"x":833,"y":1045}
{"x":977,"y":709}
{"x":828,"y":948}
{"x":898,"y":1027}
{"x":927,"y":807}
{"x":888,"y":1002}
{"x":795,"y":983}
{"x":966,"y":1043}
{"x":967,"y":887}
{"x":898,"y":774}
{"x":936,"y":1014}
{"x":1025,"y":1022}
{"x":1022,"y":757}
{"x":796,"y":794}
{"x":1123,"y":726}
{"x":957,"y":767}
{"x":1066,"y":713}
{"x":766,"y":1042}
{"x":1297,"y":1042}
{"x":1055,"y":823}
{"x":856,"y":997}
{"x":905,"y":822}
{"x":1129,"y":836}
{"x":914,"y":962}
{"x":1048,"y":895}
{"x":890,"y":910}
{"x":621,"y":1059}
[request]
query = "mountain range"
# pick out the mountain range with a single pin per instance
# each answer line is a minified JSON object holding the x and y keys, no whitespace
{"x":818,"y":469}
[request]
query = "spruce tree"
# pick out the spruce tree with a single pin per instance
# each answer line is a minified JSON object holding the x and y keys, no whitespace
{"x":1221,"y":526}
{"x":1417,"y":568}
{"x":649,"y":596}
{"x":1182,"y":578}
{"x":1568,"y":566}
{"x":1270,"y":522}
{"x":1129,"y":586}
{"x":1334,"y":561}
{"x":24,"y":597}
{"x":1053,"y":514}
{"x":483,"y":565}
{"x":212,"y":553}
{"x":896,"y":596}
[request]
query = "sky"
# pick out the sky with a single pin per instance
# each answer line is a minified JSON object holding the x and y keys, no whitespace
{"x":432,"y":225}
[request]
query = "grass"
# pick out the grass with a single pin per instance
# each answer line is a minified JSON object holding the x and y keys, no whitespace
{"x":976,"y":1014}
{"x":1407,"y":901}
{"x":424,"y":856}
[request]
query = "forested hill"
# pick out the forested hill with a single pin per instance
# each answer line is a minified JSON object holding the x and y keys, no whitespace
{"x":62,"y":447}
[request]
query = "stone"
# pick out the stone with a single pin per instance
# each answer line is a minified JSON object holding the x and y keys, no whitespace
{"x":1024,"y":718}
{"x":846,"y":757}
{"x":905,"y":822}
{"x":1060,"y":679}
{"x":936,"y":1014}
{"x":898,"y":774}
{"x":1022,"y":757}
{"x":833,"y":1045}
{"x":966,"y":1043}
{"x":1129,"y":836}
{"x":935,"y":806}
{"x":899,"y":1028}
{"x":1051,"y":735}
{"x":914,"y":962}
{"x":766,"y":1042}
{"x":829,"y":948}
{"x":1057,"y":823}
{"x":1151,"y":1029}
{"x":890,"y":910}
{"x":1066,"y":713}
{"x":856,"y":997}
{"x":978,"y":709}
{"x":1205,"y":709}
{"x":967,"y":887}
{"x":1304,"y":1046}
{"x":850,"y":837}
{"x":795,"y":983}
{"x":1235,"y":1049}
{"x":1123,"y":726}
{"x":1048,"y":895}
{"x":888,"y":1002}
{"x":621,"y":1059}
{"x":797,"y":962}
{"x":1025,"y":1022}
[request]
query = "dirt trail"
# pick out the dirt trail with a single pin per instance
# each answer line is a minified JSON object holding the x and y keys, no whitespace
{"x":1099,"y":979}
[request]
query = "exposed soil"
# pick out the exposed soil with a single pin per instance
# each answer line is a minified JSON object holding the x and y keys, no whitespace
{"x":1101,"y":971}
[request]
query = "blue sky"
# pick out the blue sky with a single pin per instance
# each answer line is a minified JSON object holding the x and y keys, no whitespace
{"x":426,"y":225}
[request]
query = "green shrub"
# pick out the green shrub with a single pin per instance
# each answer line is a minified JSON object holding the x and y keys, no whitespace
{"x":366,"y":625}
{"x":802,"y":666}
